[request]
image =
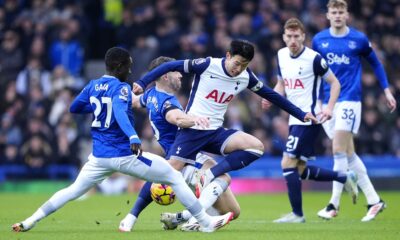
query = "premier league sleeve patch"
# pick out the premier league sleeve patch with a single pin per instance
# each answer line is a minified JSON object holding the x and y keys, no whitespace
{"x":124,"y":93}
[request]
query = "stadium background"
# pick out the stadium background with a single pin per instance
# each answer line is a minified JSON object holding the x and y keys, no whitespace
{"x":49,"y":49}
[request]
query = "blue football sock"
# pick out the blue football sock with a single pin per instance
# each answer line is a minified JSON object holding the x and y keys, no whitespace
{"x":322,"y":175}
{"x":293,"y":183}
{"x":234,"y":161}
{"x":143,"y":200}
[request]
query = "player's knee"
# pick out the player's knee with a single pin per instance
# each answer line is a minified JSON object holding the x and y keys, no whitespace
{"x":258,"y":145}
{"x":288,"y":162}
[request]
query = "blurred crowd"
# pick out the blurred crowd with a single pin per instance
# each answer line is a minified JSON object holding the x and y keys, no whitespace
{"x":45,"y":44}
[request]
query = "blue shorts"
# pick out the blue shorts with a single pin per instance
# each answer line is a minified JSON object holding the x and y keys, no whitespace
{"x":301,"y":141}
{"x":189,"y":142}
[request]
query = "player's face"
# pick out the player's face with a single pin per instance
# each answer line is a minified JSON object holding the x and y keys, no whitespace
{"x":337,"y":17}
{"x":294,"y":39}
{"x":174,"y":79}
{"x":236,"y":64}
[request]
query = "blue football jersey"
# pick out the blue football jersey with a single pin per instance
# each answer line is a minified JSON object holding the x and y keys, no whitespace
{"x":158,"y":103}
{"x":110,"y":102}
{"x":343,"y":54}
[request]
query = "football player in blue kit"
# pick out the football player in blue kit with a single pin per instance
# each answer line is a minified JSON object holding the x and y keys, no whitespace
{"x":216,"y":82}
{"x":343,"y":47}
{"x":300,"y":71}
{"x":117,"y":148}
{"x":166,"y":115}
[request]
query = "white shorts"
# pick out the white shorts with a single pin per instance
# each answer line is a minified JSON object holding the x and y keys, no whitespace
{"x":152,"y":168}
{"x":346,"y":117}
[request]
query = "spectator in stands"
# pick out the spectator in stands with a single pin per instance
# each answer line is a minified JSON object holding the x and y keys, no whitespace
{"x":11,"y":59}
{"x":68,"y":52}
{"x":34,"y":75}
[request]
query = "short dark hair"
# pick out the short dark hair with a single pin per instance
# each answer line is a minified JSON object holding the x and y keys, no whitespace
{"x":158,"y":61}
{"x":116,"y":57}
{"x":243,"y":48}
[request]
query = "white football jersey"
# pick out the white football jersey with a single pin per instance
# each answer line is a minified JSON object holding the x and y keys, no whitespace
{"x":301,"y":76}
{"x":213,"y":89}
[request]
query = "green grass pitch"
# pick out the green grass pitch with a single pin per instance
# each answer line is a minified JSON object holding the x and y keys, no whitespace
{"x":97,"y":218}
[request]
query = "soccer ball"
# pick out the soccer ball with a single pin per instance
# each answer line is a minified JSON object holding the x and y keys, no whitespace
{"x":162,"y":194}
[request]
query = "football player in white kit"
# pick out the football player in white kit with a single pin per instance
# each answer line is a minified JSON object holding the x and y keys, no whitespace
{"x":216,"y":82}
{"x":117,"y":148}
{"x":343,"y":47}
{"x":300,"y":71}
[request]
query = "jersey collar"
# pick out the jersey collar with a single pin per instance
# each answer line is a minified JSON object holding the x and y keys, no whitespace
{"x":109,"y":76}
{"x":163,"y":91}
{"x":223,"y":67}
{"x":298,"y":55}
{"x":339,"y":35}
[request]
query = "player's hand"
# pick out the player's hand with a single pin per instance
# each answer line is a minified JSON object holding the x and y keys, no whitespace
{"x":201,"y":122}
{"x":310,"y":117}
{"x":391,"y":101}
{"x":324,"y":115}
{"x":137,"y":89}
{"x":265,"y":104}
{"x":136,"y":149}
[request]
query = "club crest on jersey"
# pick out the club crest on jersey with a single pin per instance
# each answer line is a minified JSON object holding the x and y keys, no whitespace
{"x":219,"y":97}
{"x":352,"y":44}
{"x":293,"y":83}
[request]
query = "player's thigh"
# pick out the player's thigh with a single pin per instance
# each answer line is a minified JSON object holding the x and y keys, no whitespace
{"x":159,"y":170}
{"x":242,"y":141}
{"x":227,"y":203}
{"x":94,"y":171}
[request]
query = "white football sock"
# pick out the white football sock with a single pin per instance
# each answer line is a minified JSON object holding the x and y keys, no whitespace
{"x":211,"y":193}
{"x":340,"y":165}
{"x":363,"y":181}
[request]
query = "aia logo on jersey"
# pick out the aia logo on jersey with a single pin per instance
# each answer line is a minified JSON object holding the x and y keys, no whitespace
{"x":293,"y":83}
{"x":219,"y":97}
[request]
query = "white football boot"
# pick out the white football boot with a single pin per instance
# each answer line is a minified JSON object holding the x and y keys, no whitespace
{"x":328,"y":212}
{"x":351,"y":185}
{"x":127,"y":223}
{"x":217,"y":222}
{"x":374,"y":210}
{"x":290,"y":218}
{"x":170,"y":221}
{"x":23,"y":226}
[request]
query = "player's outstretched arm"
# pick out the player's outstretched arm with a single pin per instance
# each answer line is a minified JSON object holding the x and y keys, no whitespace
{"x":279,"y":88}
{"x":157,"y":72}
{"x":183,"y":120}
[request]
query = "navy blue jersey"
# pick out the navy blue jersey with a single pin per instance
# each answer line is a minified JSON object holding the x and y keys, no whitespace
{"x":110,"y":102}
{"x":343,"y":54}
{"x":158,"y":103}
